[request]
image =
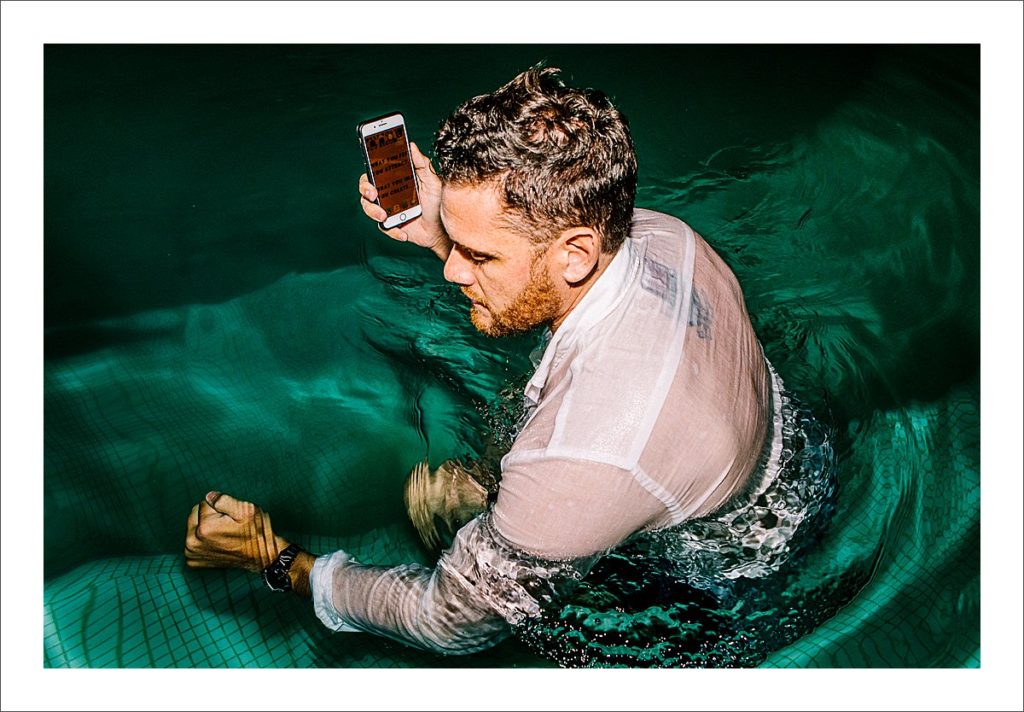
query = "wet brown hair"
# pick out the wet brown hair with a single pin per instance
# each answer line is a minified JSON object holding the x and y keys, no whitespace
{"x":560,"y":156}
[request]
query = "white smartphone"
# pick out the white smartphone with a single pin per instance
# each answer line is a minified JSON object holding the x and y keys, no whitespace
{"x":389,"y":167}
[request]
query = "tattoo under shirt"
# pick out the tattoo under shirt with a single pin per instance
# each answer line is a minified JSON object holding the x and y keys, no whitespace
{"x":651,"y":405}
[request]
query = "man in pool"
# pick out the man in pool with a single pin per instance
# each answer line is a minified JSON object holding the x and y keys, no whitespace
{"x":652,"y":406}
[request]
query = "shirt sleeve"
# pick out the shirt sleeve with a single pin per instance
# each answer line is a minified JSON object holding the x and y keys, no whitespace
{"x":558,"y":508}
{"x":481,"y":586}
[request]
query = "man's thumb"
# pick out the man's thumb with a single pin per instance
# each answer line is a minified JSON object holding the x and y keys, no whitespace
{"x":420,"y":161}
{"x":226,"y":504}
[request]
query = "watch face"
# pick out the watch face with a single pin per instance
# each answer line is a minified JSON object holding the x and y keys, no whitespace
{"x":277,"y":578}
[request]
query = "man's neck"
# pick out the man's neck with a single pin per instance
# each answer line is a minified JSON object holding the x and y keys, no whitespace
{"x":577,"y":291}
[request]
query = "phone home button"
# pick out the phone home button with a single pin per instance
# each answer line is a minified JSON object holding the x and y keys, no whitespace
{"x":402,"y":216}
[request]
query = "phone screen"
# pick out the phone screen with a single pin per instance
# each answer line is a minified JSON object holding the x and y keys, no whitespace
{"x":390,"y":166}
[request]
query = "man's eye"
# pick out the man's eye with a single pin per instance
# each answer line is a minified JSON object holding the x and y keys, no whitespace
{"x":476,"y":258}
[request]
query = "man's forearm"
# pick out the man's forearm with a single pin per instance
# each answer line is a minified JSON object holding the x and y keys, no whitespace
{"x":461,"y":606}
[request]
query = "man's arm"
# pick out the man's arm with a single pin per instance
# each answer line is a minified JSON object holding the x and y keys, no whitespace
{"x":436,"y":609}
{"x":463,"y":605}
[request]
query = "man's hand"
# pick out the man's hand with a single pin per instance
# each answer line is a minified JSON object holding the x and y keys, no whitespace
{"x":426,"y":230}
{"x":224,"y":532}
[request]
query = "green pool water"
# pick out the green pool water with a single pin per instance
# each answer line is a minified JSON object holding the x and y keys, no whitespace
{"x":219,"y":315}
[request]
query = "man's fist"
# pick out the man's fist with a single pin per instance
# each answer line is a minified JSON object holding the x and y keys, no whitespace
{"x":224,"y":532}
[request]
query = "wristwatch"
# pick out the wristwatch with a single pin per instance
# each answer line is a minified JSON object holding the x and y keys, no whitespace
{"x":275,"y":575}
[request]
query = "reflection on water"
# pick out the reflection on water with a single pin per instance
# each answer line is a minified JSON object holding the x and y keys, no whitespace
{"x":219,"y":316}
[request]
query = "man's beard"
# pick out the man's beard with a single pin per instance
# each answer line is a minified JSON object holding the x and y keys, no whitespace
{"x":536,"y":304}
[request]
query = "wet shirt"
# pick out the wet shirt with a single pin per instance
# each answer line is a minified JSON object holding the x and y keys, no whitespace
{"x":650,"y":406}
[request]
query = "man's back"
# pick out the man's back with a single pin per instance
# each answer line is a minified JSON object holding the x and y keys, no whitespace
{"x":651,"y":404}
{"x":717,"y":415}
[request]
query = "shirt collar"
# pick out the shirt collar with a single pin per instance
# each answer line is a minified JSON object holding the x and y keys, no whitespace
{"x":597,"y":303}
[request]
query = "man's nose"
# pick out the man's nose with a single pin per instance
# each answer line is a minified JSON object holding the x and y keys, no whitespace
{"x":457,"y":269}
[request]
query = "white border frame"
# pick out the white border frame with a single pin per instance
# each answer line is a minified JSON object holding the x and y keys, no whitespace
{"x":996,"y":26}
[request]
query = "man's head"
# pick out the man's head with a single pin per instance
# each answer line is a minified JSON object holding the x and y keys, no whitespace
{"x":539,"y":181}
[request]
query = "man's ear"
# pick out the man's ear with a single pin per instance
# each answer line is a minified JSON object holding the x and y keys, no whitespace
{"x":580,"y":248}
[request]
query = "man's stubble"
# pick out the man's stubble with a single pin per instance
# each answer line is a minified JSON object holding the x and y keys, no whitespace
{"x":538,"y":303}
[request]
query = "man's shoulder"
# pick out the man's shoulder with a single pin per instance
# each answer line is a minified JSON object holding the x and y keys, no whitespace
{"x":646,"y":221}
{"x":652,"y":225}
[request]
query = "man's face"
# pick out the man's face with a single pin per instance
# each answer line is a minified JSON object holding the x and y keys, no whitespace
{"x":506,"y":277}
